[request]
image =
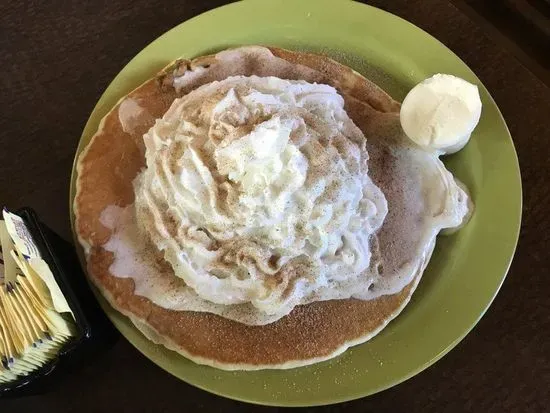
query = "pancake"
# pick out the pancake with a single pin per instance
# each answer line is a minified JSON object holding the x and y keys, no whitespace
{"x":422,"y":199}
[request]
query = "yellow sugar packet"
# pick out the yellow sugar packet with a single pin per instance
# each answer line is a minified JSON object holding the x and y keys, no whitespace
{"x":48,"y":318}
{"x":6,"y":245}
{"x":40,"y":288}
{"x":43,"y":270}
{"x":9,"y":348}
{"x":39,"y":310}
{"x":11,"y":342}
{"x":1,"y":265}
{"x":14,"y":332}
{"x":46,"y":344}
{"x":5,"y":374}
{"x":56,"y":323}
{"x":3,"y":350}
{"x":28,"y":353}
{"x":33,"y":312}
{"x":61,"y":327}
{"x":26,"y":313}
{"x":35,"y":287}
{"x":16,"y":327}
{"x":25,"y":246}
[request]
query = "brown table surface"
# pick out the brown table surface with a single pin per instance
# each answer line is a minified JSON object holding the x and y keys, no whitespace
{"x":57,"y":58}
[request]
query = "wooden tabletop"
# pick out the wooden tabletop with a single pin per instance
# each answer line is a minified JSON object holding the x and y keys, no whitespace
{"x":57,"y":58}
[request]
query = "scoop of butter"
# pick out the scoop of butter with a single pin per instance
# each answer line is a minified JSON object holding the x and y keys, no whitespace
{"x":441,"y":112}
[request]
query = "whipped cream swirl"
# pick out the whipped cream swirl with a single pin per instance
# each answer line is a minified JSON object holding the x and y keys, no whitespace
{"x":256,"y":191}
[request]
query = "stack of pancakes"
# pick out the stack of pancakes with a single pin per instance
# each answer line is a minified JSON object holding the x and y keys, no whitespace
{"x":422,"y":198}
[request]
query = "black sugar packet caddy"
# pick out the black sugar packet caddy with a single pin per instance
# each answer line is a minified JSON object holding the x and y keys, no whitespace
{"x":94,"y":332}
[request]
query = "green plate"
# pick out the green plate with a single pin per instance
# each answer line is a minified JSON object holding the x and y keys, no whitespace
{"x":467,"y":268}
